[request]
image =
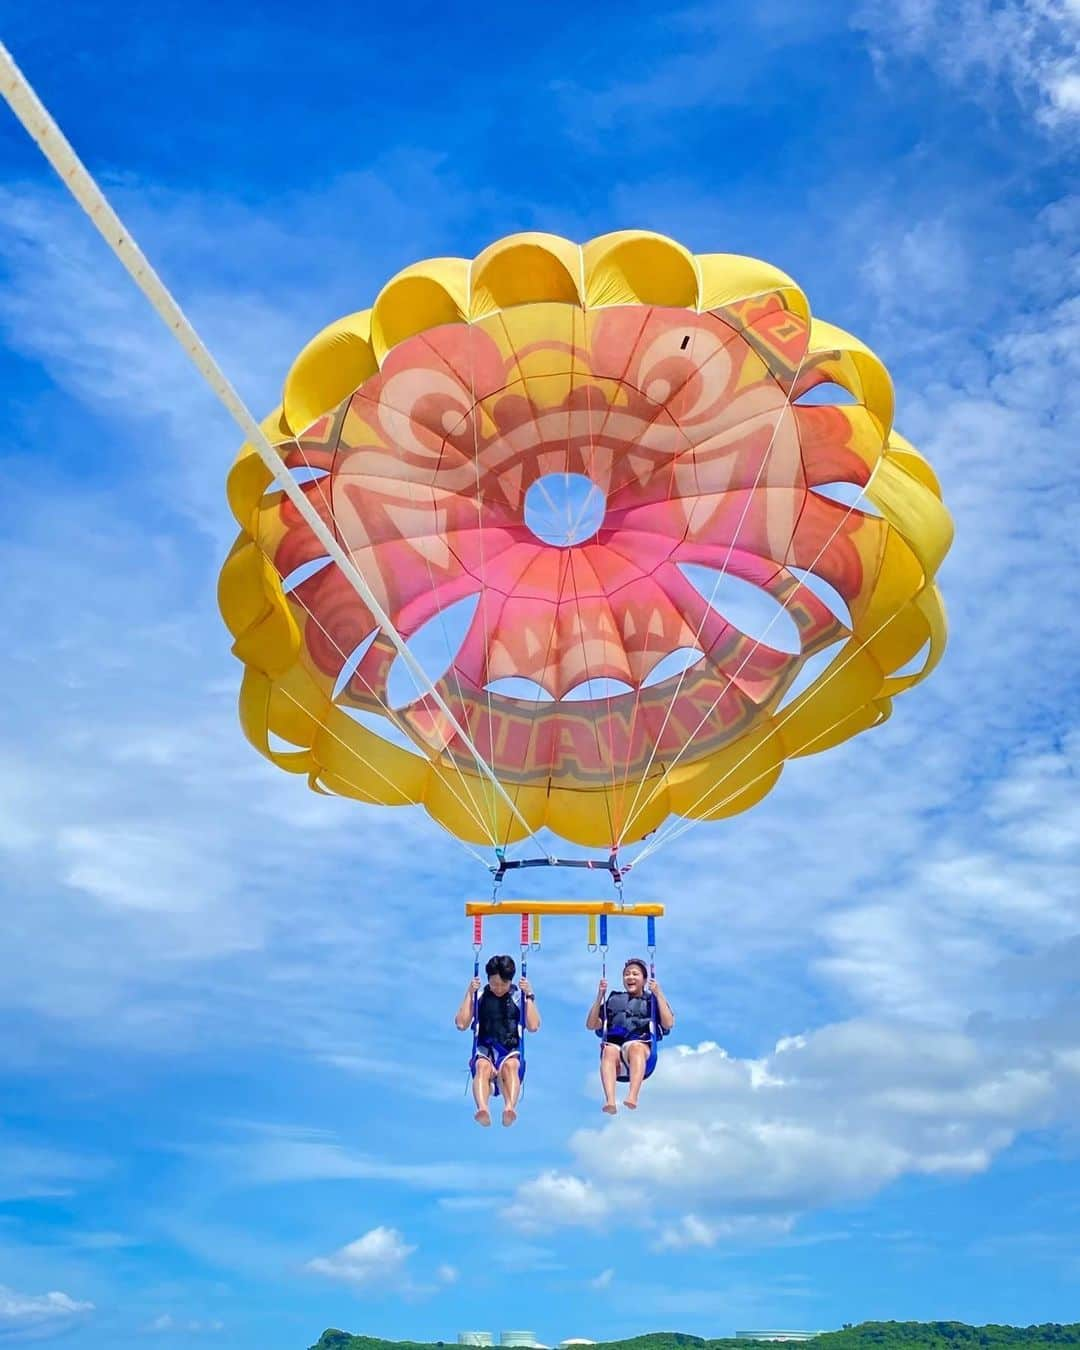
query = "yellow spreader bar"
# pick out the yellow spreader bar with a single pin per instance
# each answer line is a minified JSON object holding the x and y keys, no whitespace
{"x":572,"y":907}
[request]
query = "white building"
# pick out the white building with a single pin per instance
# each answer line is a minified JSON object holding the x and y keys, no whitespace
{"x":776,"y":1335}
{"x":522,"y":1340}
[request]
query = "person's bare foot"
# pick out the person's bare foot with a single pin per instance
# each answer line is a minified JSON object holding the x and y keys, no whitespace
{"x":630,"y":1104}
{"x":609,"y":1108}
{"x":509,"y":1116}
{"x":483,"y":1116}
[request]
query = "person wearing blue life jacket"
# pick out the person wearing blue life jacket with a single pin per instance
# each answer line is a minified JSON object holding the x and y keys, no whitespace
{"x":629,"y":1021}
{"x":494,"y":1015}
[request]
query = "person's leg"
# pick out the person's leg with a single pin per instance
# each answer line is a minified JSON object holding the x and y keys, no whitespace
{"x":481,"y":1086}
{"x":609,"y":1068}
{"x":637,"y":1054}
{"x":510,"y":1084}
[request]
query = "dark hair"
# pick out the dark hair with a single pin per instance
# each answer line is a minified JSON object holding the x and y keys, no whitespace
{"x":637,"y":961}
{"x":503,"y":966}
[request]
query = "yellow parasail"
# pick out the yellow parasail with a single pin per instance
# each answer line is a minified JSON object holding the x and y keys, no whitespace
{"x":708,"y":437}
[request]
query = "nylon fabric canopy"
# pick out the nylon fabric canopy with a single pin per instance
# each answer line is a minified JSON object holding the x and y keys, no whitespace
{"x":711,"y":418}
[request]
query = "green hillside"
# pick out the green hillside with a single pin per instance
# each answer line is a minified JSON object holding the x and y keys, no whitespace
{"x":865,"y":1336}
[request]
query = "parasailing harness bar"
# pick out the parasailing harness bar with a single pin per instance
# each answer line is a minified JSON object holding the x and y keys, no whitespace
{"x":475,"y":909}
{"x":609,"y":864}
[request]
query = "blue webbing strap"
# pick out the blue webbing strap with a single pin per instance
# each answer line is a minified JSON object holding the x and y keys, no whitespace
{"x":654,"y":1034}
{"x":654,"y":1007}
{"x":475,"y":1015}
{"x":477,"y":946}
{"x":524,"y":1029}
{"x":603,"y":976}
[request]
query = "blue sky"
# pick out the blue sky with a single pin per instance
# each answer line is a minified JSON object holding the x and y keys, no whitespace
{"x":234,"y":1105}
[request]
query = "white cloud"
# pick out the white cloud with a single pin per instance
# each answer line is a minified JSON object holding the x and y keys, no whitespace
{"x":126,"y":867}
{"x":29,"y":1170}
{"x":686,"y":51}
{"x":39,"y":1316}
{"x":555,"y":1198}
{"x":447,"y":1274}
{"x":102,"y":1241}
{"x":66,"y":302}
{"x":145,"y":919}
{"x":166,"y":1323}
{"x":526,"y":1257}
{"x":277,"y":1154}
{"x":603,"y":1280}
{"x":925,"y":259}
{"x":727,"y":1148}
{"x":1029,"y":45}
{"x":689,"y":1230}
{"x":379,"y":1258}
{"x":1064,"y":93}
{"x":1001,"y":881}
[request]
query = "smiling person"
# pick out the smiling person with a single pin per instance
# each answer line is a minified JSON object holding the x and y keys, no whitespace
{"x":497,"y":1010}
{"x":625,"y":1019}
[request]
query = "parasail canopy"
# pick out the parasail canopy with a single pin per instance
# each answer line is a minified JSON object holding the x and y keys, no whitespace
{"x":656,"y":512}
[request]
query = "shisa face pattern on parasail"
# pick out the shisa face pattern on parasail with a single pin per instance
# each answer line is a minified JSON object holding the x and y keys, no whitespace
{"x":686,"y":424}
{"x":422,"y":428}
